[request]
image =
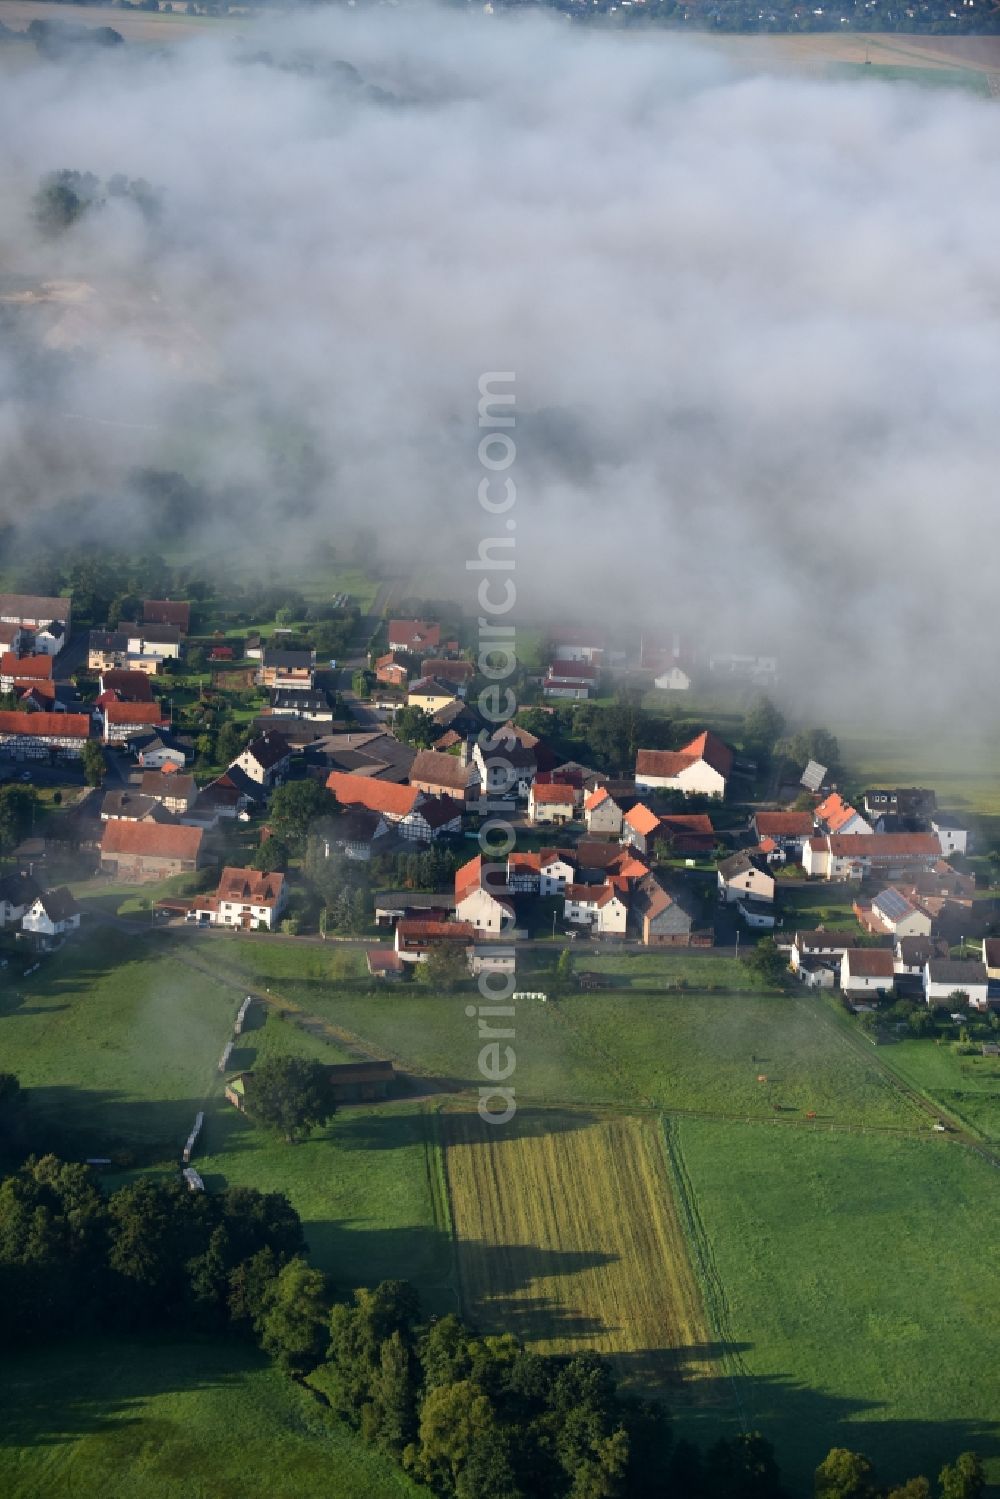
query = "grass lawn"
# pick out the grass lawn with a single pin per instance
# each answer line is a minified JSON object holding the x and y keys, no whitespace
{"x":807,"y":904}
{"x":968,"y":1086}
{"x":851,"y":1278}
{"x":652,"y":1049}
{"x":159,"y":1419}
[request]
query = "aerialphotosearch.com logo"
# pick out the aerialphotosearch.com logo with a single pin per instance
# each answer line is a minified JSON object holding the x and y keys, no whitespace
{"x":497,"y":662}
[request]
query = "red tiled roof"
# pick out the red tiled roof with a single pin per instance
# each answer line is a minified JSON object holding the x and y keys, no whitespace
{"x":26,"y":668}
{"x":552,"y":794}
{"x":139,"y":713}
{"x":131,"y":686}
{"x":889,"y":845}
{"x":251,"y":886}
{"x":872,"y":963}
{"x":835,"y":812}
{"x":167,"y":612}
{"x":156,"y":840}
{"x":596,"y":799}
{"x":46,"y":725}
{"x":413,"y":633}
{"x":532,"y":862}
{"x":784,"y":824}
{"x":642,"y":819}
{"x":665,"y":764}
{"x":378,"y":796}
{"x":430,"y":931}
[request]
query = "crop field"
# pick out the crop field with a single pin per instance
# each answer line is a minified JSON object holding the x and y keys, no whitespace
{"x":855,"y":1290}
{"x":962,"y":772}
{"x":144,"y":26}
{"x":154,"y":1420}
{"x":567,"y":1235}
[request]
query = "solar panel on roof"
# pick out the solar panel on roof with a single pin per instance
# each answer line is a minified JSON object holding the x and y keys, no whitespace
{"x":813,"y":776}
{"x":892,"y":905}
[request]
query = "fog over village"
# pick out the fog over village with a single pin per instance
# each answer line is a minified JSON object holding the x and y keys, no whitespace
{"x":754,"y":320}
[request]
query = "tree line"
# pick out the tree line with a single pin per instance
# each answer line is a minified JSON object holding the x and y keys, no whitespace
{"x":470,"y":1416}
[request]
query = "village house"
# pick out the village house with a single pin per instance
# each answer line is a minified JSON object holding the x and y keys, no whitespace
{"x":126,"y":686}
{"x":37,"y":736}
{"x":991,"y":957}
{"x":551,"y":803}
{"x":573,"y":680}
{"x":14,"y":638}
{"x":891,"y":912}
{"x":510,"y":768}
{"x":762,"y":671}
{"x":846,"y":857}
{"x":51,"y":915}
{"x":639,"y":827}
{"x":480,"y":888}
{"x":701,"y":767}
{"x":445,"y":775}
{"x":407,"y":810}
{"x":176,"y":792}
{"x":788,"y":830}
{"x":23,"y":671}
{"x":308,"y":705}
{"x":602,"y":815}
{"x":664,"y":921}
{"x":599,"y":907}
{"x":572,"y":644}
{"x":745,"y":874}
{"x":266,"y":760}
{"x":912,"y":954}
{"x":459,"y":673}
{"x":49,"y":639}
{"x":821,"y":947}
{"x":287,"y":669}
{"x":491,"y":958}
{"x":391,"y":671}
{"x":162,"y":751}
{"x":248,"y":898}
{"x":35,"y":611}
{"x":674,"y":679}
{"x":129,"y":806}
{"x":906,"y":802}
{"x":125,"y":721}
{"x":834,"y":815}
{"x":162,"y":642}
{"x":951,"y":834}
{"x":431,"y":694}
{"x":555,"y":871}
{"x":523,"y":873}
{"x":867,"y":972}
{"x":944,"y":978}
{"x":17,"y":893}
{"x":175,"y":612}
{"x":138,"y":851}
{"x":413,"y":635}
{"x":414,"y":938}
{"x":107,"y":650}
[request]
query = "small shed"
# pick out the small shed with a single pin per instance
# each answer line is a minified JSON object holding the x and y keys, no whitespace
{"x":362,"y":1082}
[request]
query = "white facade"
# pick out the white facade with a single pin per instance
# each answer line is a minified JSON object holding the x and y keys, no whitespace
{"x":596,"y":909}
{"x":36,"y":919}
{"x":481,"y":909}
{"x":554,"y":876}
{"x":953,"y":840}
{"x":972,"y":982}
{"x":748,"y":882}
{"x":50,"y":640}
{"x":560,"y":811}
{"x":674,"y":680}
{"x":697,"y":779}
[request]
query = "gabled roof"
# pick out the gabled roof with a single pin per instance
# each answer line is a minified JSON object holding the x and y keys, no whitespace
{"x":442,"y":770}
{"x":387,"y":797}
{"x":413,"y":634}
{"x":431,"y":687}
{"x":288,"y":660}
{"x":439,"y":811}
{"x":150,"y":715}
{"x":687,"y":822}
{"x":152,"y":839}
{"x":58,"y":905}
{"x":783,"y":824}
{"x":268,"y":750}
{"x":642,"y":820}
{"x":835,"y":812}
{"x":47,"y":725}
{"x":159,"y":783}
{"x":26,"y":668}
{"x":167,"y":612}
{"x":597,"y":798}
{"x":252,"y":887}
{"x":741,"y":863}
{"x":552,"y":794}
{"x":884,"y":845}
{"x":130,"y":686}
{"x":418,"y":932}
{"x":34,"y":606}
{"x":18,"y":889}
{"x":155,"y":634}
{"x":869,"y":963}
{"x":956,"y":971}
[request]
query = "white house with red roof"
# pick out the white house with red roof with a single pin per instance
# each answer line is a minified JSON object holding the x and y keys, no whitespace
{"x":702,"y":767}
{"x":418,"y":636}
{"x":480,"y":888}
{"x":551,"y":802}
{"x":834,"y":815}
{"x":603,"y":908}
{"x":575,"y":680}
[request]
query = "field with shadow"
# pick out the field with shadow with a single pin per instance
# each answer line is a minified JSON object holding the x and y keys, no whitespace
{"x":160,"y":1419}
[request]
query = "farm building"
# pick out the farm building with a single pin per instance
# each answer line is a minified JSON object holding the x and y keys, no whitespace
{"x":34,"y":736}
{"x":445,"y":775}
{"x":867,"y":971}
{"x":789,"y":830}
{"x":836,"y":856}
{"x":137,"y":851}
{"x":944,"y":977}
{"x":487,"y":958}
{"x":664,"y":920}
{"x":703,"y":766}
{"x":362,"y":1082}
{"x":34,"y":611}
{"x":414,"y":939}
{"x":125,"y":721}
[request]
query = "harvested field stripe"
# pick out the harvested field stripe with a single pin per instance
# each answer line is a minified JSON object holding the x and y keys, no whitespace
{"x":568,"y":1235}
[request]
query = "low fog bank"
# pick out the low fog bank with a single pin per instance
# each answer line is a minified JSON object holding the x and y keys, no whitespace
{"x":755,"y":323}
